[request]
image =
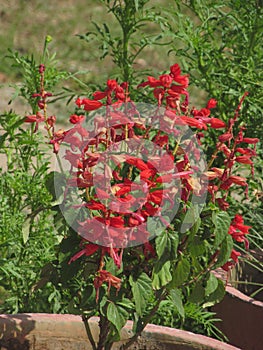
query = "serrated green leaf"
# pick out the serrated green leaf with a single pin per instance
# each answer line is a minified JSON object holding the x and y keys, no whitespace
{"x":211,"y":284}
{"x":161,"y":275}
{"x":176,"y":297}
{"x":222,"y":222}
{"x":117,"y":315}
{"x":141,"y":290}
{"x":166,"y":245}
{"x":180,"y":273}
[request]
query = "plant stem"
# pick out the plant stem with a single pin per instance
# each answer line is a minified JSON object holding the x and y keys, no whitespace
{"x":104,"y":325}
{"x":88,"y":331}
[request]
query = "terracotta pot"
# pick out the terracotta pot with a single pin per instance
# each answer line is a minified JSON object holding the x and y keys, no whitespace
{"x":242,"y":319}
{"x":67,"y":332}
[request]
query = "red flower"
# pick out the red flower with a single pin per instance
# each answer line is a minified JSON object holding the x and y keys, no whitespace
{"x":166,"y":80}
{"x":74,"y":118}
{"x":36,"y":118}
{"x":223,"y":205}
{"x":152,"y":82}
{"x":225,"y":137}
{"x":233,"y":179}
{"x":175,"y":73}
{"x":78,"y":102}
{"x":250,"y":140}
{"x":217,"y":123}
{"x":238,"y":230}
{"x":88,"y":250}
{"x":211,"y":103}
{"x":58,"y":137}
{"x":156,"y":197}
{"x":91,"y":105}
{"x":194,"y":122}
{"x":99,"y":95}
{"x":230,"y":264}
{"x":106,"y":276}
{"x":51,"y":120}
{"x":244,"y":160}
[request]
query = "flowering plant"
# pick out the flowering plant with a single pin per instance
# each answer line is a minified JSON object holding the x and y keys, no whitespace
{"x":145,"y":204}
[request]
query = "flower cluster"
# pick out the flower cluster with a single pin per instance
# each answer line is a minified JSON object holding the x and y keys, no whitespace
{"x":138,"y":178}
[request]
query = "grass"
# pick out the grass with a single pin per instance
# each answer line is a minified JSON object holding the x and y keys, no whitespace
{"x":25,"y":24}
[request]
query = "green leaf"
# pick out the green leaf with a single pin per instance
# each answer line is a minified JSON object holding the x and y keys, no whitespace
{"x":191,"y":218}
{"x":197,"y":247}
{"x":26,"y":230}
{"x":55,"y":184}
{"x":198,"y":294}
{"x":225,"y":251}
{"x":117,"y":315}
{"x":180,"y":273}
{"x":222,"y":222}
{"x":141,"y":290}
{"x":155,"y":226}
{"x":217,"y":295}
{"x":176,"y":297}
{"x":161,"y":274}
{"x":126,"y":303}
{"x":211,"y":284}
{"x":166,"y":245}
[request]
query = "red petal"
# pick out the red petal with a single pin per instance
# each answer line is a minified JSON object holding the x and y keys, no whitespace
{"x":217,"y":123}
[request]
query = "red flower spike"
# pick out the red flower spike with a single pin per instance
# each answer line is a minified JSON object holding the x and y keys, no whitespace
{"x":113,"y":252}
{"x":238,"y":230}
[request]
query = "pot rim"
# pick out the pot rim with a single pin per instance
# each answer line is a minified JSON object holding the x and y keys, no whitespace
{"x":40,"y":323}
